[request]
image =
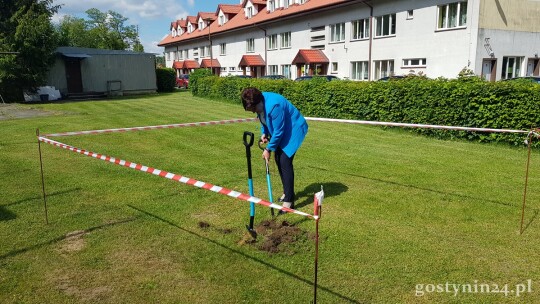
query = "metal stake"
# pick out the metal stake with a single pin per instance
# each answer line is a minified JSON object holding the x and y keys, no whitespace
{"x":42,"y":179}
{"x":316,"y":254}
{"x":529,"y":139}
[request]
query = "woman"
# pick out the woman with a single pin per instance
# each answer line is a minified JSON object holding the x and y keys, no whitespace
{"x":283,"y":129}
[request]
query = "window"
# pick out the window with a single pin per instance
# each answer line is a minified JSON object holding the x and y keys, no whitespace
{"x":186,"y":54}
{"x":415,"y":62}
{"x":201,"y":25}
{"x":223,"y":49}
{"x":232,"y":69}
{"x":249,"y":11}
{"x":410,"y":14}
{"x":173,"y":33}
{"x":223,"y":69}
{"x":273,"y":70}
{"x":337,"y":32}
{"x":271,"y":5}
{"x":272,"y":42}
{"x":360,"y":29}
{"x":250,"y":45}
{"x":359,"y":70}
{"x":190,"y":27}
{"x":386,"y":25}
{"x":286,"y":40}
{"x":286,"y":71}
{"x":384,"y":68}
{"x":167,"y":56}
{"x":334,"y":69}
{"x":286,"y":3}
{"x":221,"y":20}
{"x":452,"y":15}
{"x":179,"y":54}
{"x":203,"y":51}
{"x":196,"y":52}
{"x":511,"y":67}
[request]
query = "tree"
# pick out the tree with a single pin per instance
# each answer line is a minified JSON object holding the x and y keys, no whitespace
{"x":25,"y":28}
{"x":101,"y":30}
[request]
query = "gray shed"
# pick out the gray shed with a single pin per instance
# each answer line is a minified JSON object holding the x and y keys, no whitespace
{"x":88,"y":71}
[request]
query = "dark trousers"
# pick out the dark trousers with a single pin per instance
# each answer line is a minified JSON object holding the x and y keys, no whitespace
{"x":286,"y":172}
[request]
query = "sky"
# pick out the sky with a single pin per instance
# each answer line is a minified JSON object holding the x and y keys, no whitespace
{"x":152,"y":16}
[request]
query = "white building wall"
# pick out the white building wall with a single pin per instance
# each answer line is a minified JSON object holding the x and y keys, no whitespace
{"x":446,"y":52}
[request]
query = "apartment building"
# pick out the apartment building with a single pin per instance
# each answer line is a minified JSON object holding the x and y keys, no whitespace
{"x":359,"y":39}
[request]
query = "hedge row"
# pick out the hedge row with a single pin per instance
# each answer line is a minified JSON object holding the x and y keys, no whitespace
{"x":466,"y":102}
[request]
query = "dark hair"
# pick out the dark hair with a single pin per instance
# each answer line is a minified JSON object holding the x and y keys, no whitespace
{"x":251,"y":97}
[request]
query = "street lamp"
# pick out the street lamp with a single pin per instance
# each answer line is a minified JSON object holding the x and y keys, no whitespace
{"x":208,"y":21}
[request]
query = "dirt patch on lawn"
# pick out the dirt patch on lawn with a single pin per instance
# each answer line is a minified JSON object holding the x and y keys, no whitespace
{"x":73,"y":242}
{"x":277,"y":237}
{"x":68,"y":286}
{"x":12,"y":111}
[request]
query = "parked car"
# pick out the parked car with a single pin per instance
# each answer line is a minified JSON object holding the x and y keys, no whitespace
{"x":182,"y":81}
{"x":328,"y":77}
{"x":243,"y":76}
{"x":535,"y":79}
{"x":393,"y":77}
{"x":273,"y":77}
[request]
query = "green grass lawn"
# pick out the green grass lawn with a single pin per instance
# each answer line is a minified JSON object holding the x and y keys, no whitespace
{"x":400,"y":210}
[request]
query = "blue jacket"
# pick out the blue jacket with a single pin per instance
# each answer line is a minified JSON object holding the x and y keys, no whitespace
{"x":284,"y":123}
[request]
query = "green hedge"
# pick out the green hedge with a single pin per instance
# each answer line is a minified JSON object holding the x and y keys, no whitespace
{"x":466,"y":102}
{"x":166,"y":79}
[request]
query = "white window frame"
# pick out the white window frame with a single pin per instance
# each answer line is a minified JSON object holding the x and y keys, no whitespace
{"x":360,"y":29}
{"x":221,"y":19}
{"x":186,"y":54}
{"x":223,"y":49}
{"x":272,"y":42}
{"x":410,"y":14}
{"x":286,"y":40}
{"x":179,"y":54}
{"x":334,"y":67}
{"x":445,"y":15}
{"x":516,"y":67}
{"x":337,"y":32}
{"x":385,"y":26}
{"x":250,"y":45}
{"x":359,"y":70}
{"x":201,"y":25}
{"x":271,"y":5}
{"x":384,"y":68}
{"x":190,"y":28}
{"x":273,"y":69}
{"x":286,"y":71}
{"x":249,"y":12}
{"x":232,"y":69}
{"x":414,"y":63}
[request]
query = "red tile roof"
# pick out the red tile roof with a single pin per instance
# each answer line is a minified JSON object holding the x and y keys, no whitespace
{"x":310,"y":56}
{"x":252,"y":60}
{"x":254,"y":2}
{"x":192,"y":19}
{"x":178,"y":64}
{"x":182,"y":23}
{"x":191,"y":64}
{"x":206,"y":63}
{"x":229,"y":8}
{"x":239,"y":20}
{"x":173,"y":25}
{"x":205,"y":15}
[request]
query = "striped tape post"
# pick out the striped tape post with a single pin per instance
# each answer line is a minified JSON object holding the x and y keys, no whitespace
{"x":175,"y":177}
{"x":146,"y":128}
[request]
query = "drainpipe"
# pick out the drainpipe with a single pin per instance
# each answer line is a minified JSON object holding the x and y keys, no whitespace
{"x":370,"y":39}
{"x":265,"y":50}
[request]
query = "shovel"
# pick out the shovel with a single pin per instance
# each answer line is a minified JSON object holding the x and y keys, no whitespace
{"x":248,"y":142}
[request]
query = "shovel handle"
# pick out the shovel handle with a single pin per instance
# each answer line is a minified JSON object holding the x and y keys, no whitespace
{"x":248,"y":136}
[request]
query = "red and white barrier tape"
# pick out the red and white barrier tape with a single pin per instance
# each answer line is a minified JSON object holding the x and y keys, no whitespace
{"x":410,"y":125}
{"x":175,"y":177}
{"x":179,"y":125}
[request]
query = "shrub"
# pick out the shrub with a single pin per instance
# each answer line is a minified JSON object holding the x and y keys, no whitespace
{"x":166,"y":79}
{"x":467,"y":101}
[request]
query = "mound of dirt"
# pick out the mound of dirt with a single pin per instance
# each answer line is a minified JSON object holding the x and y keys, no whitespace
{"x":276,"y":236}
